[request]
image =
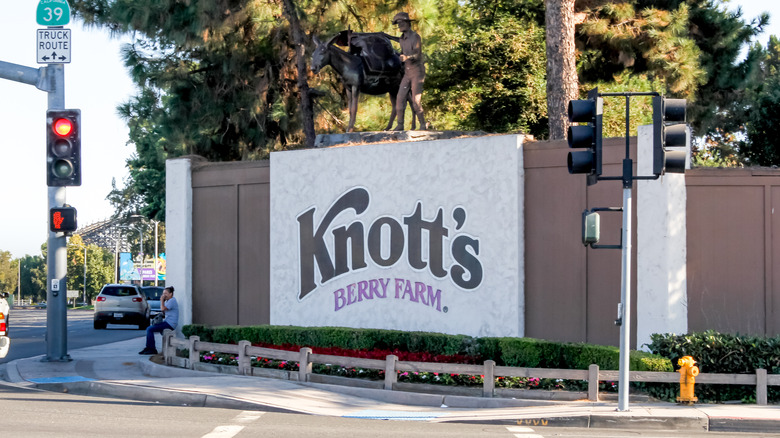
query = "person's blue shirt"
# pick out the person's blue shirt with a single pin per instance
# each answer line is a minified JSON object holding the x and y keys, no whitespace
{"x":172,"y":312}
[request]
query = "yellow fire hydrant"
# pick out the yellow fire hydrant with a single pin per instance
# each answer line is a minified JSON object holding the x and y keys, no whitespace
{"x":688,"y":372}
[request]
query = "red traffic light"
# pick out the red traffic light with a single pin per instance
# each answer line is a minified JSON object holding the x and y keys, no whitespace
{"x":63,"y":127}
{"x":63,"y":148}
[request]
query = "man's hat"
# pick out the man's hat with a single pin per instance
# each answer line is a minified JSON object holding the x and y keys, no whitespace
{"x":401,"y":16}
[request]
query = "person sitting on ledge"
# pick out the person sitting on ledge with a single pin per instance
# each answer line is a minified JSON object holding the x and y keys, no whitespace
{"x":170,"y":307}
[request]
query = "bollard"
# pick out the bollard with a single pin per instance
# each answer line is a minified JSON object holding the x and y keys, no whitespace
{"x":688,"y":372}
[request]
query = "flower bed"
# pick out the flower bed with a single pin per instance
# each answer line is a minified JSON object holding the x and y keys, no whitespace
{"x":446,"y":379}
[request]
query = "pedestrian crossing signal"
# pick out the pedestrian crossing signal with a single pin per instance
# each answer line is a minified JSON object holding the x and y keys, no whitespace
{"x":63,"y":220}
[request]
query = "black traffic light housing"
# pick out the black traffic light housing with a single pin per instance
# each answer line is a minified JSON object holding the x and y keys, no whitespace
{"x":63,"y":148}
{"x":669,"y":130}
{"x":586,"y":136}
{"x":63,"y":219}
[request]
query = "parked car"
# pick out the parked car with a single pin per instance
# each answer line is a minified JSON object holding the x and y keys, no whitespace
{"x":5,"y":341}
{"x":121,"y":304}
{"x":153,"y":295}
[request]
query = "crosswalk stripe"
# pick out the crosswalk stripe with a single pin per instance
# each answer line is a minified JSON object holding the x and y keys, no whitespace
{"x":520,"y":432}
{"x":232,"y":430}
{"x":224,"y":432}
{"x":519,"y":429}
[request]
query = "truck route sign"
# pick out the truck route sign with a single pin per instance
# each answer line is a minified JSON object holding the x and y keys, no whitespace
{"x":53,"y":46}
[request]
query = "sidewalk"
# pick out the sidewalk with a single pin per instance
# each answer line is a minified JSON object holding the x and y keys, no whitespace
{"x":116,"y":370}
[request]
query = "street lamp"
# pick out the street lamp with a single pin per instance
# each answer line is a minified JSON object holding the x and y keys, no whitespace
{"x":141,"y":255}
{"x":84,"y":245}
{"x":156,"y":252}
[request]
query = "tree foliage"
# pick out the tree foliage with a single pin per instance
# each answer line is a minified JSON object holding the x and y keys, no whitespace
{"x":33,"y":273}
{"x":99,"y":266}
{"x":763,"y":110}
{"x":693,"y":46}
{"x":221,"y":78}
{"x":8,"y":273}
{"x":489,"y":71}
{"x":623,"y":36}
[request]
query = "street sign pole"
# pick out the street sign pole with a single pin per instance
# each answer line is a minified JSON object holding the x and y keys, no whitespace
{"x":625,"y":301}
{"x":57,"y":254}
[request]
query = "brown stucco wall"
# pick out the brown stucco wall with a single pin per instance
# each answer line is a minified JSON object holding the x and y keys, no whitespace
{"x":733,"y":250}
{"x":230,"y":244}
{"x":572,"y":292}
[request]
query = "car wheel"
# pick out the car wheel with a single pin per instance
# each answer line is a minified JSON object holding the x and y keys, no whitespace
{"x":99,"y":325}
{"x":144,"y":325}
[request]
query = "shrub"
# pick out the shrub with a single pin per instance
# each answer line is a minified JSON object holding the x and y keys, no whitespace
{"x":519,"y":352}
{"x":723,"y":353}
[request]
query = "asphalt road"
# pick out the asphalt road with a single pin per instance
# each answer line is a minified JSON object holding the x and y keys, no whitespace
{"x":35,"y":413}
{"x":28,"y":332}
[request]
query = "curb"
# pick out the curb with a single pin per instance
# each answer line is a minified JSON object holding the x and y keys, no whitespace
{"x":159,"y":395}
{"x":744,"y":425}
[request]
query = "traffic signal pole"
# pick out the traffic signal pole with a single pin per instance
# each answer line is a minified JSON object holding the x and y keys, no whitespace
{"x":668,"y":131}
{"x":50,"y":79}
{"x":57,"y":255}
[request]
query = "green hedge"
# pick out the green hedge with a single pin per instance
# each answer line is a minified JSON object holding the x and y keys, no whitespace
{"x":519,"y":352}
{"x":723,"y":353}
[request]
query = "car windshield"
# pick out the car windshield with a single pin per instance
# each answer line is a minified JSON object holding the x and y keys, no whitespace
{"x":119,"y":291}
{"x":153,"y":293}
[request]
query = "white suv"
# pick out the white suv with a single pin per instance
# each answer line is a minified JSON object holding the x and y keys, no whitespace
{"x":121,"y":304}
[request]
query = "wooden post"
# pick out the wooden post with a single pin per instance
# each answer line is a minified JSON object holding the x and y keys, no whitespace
{"x":194,"y":355}
{"x":244,"y":360}
{"x":166,"y":342}
{"x":489,"y":381}
{"x":390,"y":377}
{"x":304,"y":366}
{"x":593,"y":383}
{"x":761,"y":390}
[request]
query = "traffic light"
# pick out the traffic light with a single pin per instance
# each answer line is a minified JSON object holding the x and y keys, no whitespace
{"x":63,"y":148}
{"x":63,"y":219}
{"x":669,"y":130}
{"x":591,"y":227}
{"x":586,"y":136}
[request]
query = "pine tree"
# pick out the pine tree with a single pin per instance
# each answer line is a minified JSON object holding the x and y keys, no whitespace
{"x":763,"y":112}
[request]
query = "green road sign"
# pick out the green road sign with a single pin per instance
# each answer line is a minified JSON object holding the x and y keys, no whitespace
{"x":53,"y":13}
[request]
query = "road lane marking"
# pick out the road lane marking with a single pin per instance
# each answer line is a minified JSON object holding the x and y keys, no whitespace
{"x":232,"y":430}
{"x":520,"y":432}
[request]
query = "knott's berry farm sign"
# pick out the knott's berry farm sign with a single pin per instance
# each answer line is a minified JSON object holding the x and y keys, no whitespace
{"x":434,"y":246}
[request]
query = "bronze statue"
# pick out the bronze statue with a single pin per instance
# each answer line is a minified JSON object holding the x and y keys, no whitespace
{"x":371,"y":67}
{"x":414,"y":70}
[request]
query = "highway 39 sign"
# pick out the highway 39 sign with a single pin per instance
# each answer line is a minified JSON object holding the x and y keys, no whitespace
{"x":53,"y":13}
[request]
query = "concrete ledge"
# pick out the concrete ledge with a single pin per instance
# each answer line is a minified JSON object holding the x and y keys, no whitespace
{"x":326,"y":140}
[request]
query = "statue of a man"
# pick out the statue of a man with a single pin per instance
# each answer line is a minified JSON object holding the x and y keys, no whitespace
{"x":414,"y":70}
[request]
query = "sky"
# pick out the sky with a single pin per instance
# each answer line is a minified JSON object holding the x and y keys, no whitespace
{"x":95,"y":82}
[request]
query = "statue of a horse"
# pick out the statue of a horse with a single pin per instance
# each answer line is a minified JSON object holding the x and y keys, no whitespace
{"x":383,"y":75}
